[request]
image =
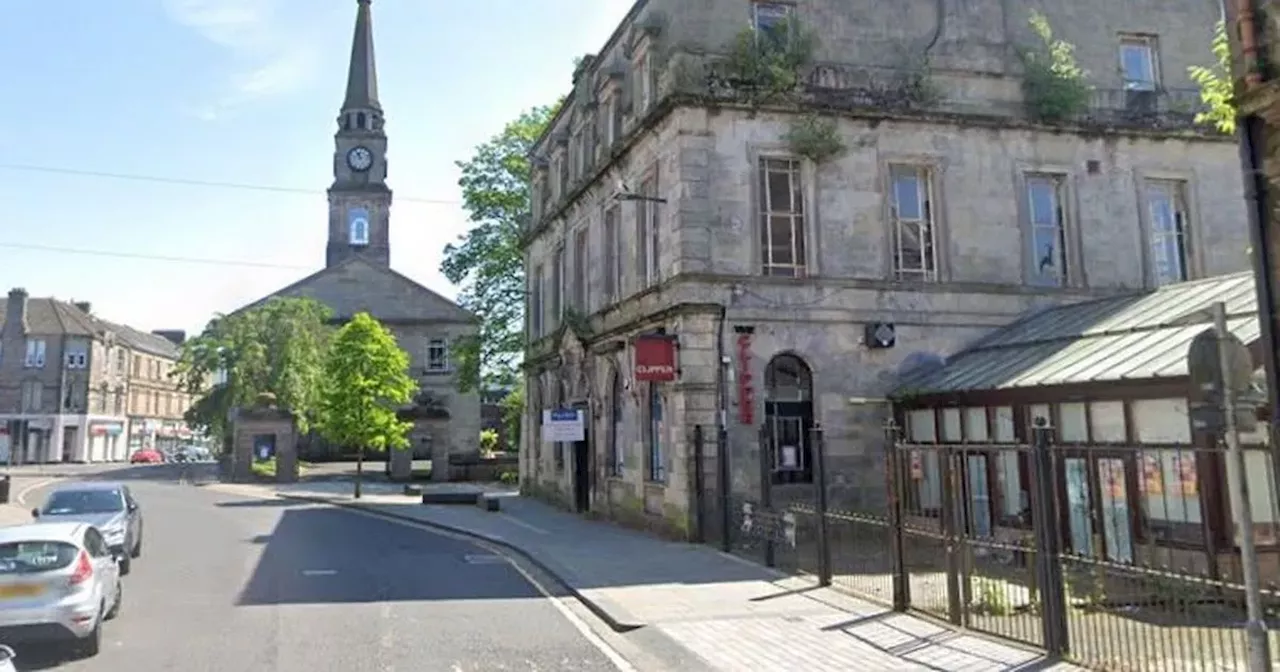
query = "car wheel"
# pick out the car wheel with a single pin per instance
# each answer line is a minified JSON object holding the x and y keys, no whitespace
{"x":115,"y":608}
{"x":126,"y":566}
{"x":91,"y":645}
{"x":137,"y":549}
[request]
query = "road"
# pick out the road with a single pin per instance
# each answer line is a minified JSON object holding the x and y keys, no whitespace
{"x":227,"y":583}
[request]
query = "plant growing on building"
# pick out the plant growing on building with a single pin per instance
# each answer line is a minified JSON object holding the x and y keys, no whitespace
{"x":487,"y":262}
{"x":366,"y":383}
{"x":1215,"y":83}
{"x":272,"y":351}
{"x":768,"y":65}
{"x":815,"y":137}
{"x":1055,"y":86}
{"x":915,"y":84}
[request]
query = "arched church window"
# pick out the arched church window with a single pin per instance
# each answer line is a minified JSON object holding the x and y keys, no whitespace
{"x":360,"y":121}
{"x":359,"y":231}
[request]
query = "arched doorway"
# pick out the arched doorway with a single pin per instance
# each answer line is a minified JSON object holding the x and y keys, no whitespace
{"x":788,"y":416}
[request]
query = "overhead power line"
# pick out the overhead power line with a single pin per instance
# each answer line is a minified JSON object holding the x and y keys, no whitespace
{"x":182,"y":181}
{"x":149,"y":257}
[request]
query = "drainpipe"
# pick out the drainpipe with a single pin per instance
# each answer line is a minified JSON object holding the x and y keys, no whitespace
{"x":1252,"y":134}
{"x":59,"y":430}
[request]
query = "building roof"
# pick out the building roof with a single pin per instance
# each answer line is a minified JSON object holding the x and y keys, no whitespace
{"x":50,"y":317}
{"x":141,"y":340}
{"x":53,"y":317}
{"x":1139,"y":336}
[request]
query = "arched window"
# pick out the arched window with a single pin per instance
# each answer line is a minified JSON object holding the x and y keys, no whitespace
{"x":361,"y":121}
{"x":788,"y":410}
{"x":615,"y":426}
{"x":359,"y":231}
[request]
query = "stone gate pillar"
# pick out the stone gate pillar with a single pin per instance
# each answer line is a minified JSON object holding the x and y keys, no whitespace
{"x":264,"y":433}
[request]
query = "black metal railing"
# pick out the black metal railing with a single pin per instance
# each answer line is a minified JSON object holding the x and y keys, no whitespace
{"x":1080,"y":550}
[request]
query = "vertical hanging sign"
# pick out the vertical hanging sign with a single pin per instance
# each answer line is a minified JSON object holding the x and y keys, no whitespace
{"x":746,"y":393}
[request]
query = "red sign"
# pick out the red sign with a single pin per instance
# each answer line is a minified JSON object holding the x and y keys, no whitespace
{"x":655,"y":359}
{"x":746,"y":393}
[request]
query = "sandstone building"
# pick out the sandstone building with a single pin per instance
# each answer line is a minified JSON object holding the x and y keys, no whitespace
{"x":77,"y":388}
{"x":358,"y":277}
{"x":801,"y":262}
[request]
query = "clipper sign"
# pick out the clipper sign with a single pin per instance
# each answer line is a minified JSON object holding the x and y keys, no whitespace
{"x":655,"y":359}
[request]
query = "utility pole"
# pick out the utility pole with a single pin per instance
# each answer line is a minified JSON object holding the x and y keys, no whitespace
{"x":1256,"y":625}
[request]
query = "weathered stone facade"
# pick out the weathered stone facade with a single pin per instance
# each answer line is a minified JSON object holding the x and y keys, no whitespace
{"x":974,"y":159}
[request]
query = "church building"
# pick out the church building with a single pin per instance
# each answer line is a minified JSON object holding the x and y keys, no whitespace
{"x":357,"y":275}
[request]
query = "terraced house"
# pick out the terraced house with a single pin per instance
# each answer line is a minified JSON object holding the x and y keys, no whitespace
{"x":759,"y":215}
{"x":64,"y":381}
{"x":157,"y":404}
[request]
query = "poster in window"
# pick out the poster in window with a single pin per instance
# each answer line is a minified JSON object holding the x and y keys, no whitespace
{"x":917,"y":465}
{"x":1187,"y":475}
{"x":1152,"y":474}
{"x":790,"y":457}
{"x":1112,"y":472}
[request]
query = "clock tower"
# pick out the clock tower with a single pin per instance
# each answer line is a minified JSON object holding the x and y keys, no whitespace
{"x":359,"y":199}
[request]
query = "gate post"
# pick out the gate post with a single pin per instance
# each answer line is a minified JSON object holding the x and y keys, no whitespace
{"x":893,"y":475}
{"x":1045,"y":523}
{"x":699,"y":485}
{"x":818,"y":442}
{"x":723,"y":488}
{"x":766,"y":491}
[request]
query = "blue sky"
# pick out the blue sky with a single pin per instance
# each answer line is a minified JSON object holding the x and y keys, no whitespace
{"x":246,"y":91}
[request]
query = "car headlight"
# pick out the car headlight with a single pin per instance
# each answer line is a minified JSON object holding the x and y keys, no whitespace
{"x":113,"y":534}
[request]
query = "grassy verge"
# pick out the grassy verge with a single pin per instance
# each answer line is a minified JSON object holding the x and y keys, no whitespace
{"x":267,"y":468}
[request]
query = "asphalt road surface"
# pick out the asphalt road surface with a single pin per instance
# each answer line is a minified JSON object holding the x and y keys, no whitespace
{"x":226,"y":583}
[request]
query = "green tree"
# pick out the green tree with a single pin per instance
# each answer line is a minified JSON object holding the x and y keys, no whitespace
{"x":276,"y":348}
{"x":366,"y":383}
{"x":1216,"y":90}
{"x":487,"y":261}
{"x":513,"y":414}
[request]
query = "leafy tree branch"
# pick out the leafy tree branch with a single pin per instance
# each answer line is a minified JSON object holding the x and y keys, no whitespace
{"x":488,"y":262}
{"x":1215,"y":83}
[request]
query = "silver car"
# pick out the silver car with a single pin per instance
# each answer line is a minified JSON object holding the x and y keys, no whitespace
{"x":110,"y":507}
{"x":7,"y":657}
{"x":58,"y":583}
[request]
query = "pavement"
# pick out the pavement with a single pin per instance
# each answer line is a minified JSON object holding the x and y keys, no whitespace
{"x":233,"y":581}
{"x":684,"y":607}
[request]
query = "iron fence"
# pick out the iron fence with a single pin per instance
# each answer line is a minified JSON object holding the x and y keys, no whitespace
{"x":1063,"y":547}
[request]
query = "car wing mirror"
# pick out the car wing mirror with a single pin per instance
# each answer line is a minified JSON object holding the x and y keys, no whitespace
{"x":6,"y":653}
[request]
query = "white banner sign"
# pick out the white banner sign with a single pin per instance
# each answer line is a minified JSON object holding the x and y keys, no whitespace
{"x":563,"y":424}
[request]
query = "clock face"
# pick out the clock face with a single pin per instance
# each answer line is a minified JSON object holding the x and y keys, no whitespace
{"x":360,"y":158}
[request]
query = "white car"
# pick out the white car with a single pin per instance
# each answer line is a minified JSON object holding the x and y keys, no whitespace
{"x":6,"y":659}
{"x":58,"y":583}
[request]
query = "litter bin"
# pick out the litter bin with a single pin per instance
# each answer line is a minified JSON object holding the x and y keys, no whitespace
{"x":5,"y":483}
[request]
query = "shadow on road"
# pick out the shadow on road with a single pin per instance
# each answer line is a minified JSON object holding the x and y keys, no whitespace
{"x":41,"y":657}
{"x":321,"y":555}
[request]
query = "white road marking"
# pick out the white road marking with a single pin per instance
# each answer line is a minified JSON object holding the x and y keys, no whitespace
{"x":485,"y":560}
{"x":319,"y":572}
{"x":516,"y":521}
{"x":21,"y":498}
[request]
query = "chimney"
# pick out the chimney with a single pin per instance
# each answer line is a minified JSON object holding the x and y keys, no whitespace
{"x":84,"y":306}
{"x":15,"y":317}
{"x":176,"y":336}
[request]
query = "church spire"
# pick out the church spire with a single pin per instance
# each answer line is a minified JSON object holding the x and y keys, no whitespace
{"x":362,"y":78}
